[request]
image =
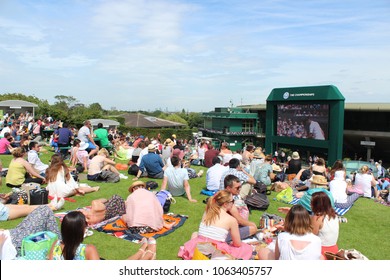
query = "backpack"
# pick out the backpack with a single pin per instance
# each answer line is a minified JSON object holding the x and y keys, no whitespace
{"x":109,"y":176}
{"x":165,"y":198}
{"x":257,"y":201}
{"x":260,"y":187}
{"x":133,"y":170}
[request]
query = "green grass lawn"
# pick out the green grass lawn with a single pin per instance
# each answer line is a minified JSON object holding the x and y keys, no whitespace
{"x":367,"y":229}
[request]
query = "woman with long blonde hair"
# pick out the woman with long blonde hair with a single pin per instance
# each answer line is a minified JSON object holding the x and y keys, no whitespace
{"x":215,"y":226}
{"x":60,"y":182}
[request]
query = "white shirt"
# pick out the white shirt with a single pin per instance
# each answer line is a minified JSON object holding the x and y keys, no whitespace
{"x":312,"y":251}
{"x":35,"y":161}
{"x":4,"y":130}
{"x":316,"y":130}
{"x":363,"y":182}
{"x":214,"y":175}
{"x":141,"y":154}
{"x":83,"y":133}
{"x":338,"y":189}
{"x":329,"y":233}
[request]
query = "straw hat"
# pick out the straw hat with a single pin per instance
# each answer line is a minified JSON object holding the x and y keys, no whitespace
{"x":136,"y":184}
{"x":83,"y":145}
{"x":318,"y":180}
{"x":276,"y":168}
{"x":151,"y":148}
{"x":258,"y":154}
{"x":295,"y":155}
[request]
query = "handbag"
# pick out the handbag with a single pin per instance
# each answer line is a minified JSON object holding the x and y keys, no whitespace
{"x":334,"y":257}
{"x":36,"y":246}
{"x":38,"y":196}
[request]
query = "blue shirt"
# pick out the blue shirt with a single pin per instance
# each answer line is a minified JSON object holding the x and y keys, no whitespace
{"x":152,"y":163}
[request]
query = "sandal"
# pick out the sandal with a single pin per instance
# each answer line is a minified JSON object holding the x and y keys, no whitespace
{"x":151,"y":252}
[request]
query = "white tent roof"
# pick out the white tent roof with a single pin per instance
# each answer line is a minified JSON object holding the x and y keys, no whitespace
{"x":105,"y":122}
{"x":17,"y":104}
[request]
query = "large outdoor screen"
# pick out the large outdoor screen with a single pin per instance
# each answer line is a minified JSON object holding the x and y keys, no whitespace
{"x":303,"y":121}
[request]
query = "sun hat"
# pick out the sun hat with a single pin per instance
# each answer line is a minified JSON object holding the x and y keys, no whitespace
{"x":318,"y":180}
{"x":83,"y":146}
{"x":295,"y":155}
{"x":276,"y":167}
{"x":167,"y":141}
{"x":136,"y":184}
{"x":151,"y":148}
{"x":258,"y":154}
{"x":173,"y":135}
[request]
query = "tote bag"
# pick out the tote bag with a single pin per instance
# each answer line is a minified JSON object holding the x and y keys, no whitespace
{"x":36,"y":246}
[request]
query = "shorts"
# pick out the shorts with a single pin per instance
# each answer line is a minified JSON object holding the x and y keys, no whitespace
{"x":91,"y":146}
{"x":4,"y":212}
{"x":94,"y":177}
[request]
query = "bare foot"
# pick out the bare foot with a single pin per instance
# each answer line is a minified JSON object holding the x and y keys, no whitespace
{"x":80,"y":192}
{"x":96,"y":188}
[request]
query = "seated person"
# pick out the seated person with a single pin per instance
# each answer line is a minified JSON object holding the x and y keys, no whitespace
{"x":60,"y":182}
{"x":82,"y":155}
{"x":102,"y":134}
{"x":144,"y":213}
{"x":99,"y":163}
{"x":69,"y":246}
{"x":151,"y":165}
{"x":239,"y":209}
{"x":176,"y":180}
{"x":5,"y":144}
{"x":34,"y":159}
{"x":103,"y":209}
{"x":191,"y":172}
{"x":297,"y":241}
{"x":20,"y":171}
{"x":215,"y":226}
{"x":339,"y":190}
{"x":123,"y":150}
{"x":214,"y":174}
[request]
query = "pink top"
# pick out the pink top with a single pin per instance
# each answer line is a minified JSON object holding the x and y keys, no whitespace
{"x":4,"y":143}
{"x":143,"y":209}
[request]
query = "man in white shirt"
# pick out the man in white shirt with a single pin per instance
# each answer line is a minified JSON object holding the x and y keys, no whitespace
{"x":214,"y":174}
{"x":34,"y":160}
{"x":315,"y":130}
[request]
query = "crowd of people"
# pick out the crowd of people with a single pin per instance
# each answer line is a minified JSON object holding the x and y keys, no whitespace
{"x":307,"y":232}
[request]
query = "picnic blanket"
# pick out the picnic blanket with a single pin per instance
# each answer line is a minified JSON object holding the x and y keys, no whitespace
{"x":339,"y":211}
{"x":118,"y":228}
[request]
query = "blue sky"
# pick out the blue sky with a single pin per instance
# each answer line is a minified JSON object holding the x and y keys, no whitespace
{"x":192,"y":55}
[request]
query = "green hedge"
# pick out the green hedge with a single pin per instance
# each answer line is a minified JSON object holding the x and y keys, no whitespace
{"x":164,"y":132}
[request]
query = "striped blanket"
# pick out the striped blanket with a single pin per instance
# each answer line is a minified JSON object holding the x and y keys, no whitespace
{"x":339,"y":211}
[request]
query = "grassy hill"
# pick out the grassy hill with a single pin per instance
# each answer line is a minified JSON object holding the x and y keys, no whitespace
{"x":367,"y":229}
